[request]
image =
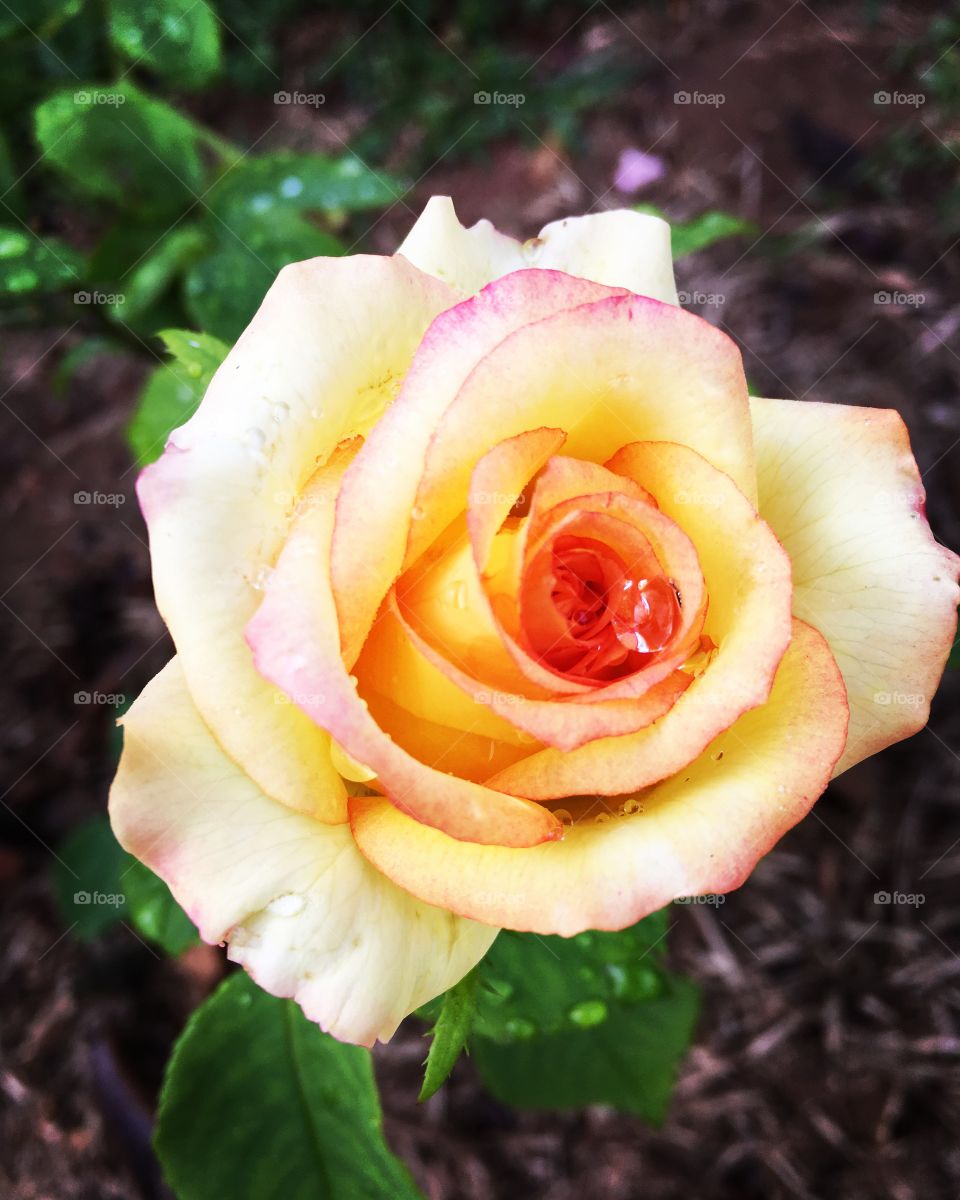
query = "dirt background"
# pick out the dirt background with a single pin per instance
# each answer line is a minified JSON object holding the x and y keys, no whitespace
{"x":826,"y":1062}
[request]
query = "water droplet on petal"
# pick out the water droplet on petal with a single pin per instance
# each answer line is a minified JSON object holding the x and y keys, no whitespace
{"x":418,"y":513}
{"x":602,"y":818}
{"x":255,"y":439}
{"x":279,"y":411}
{"x":457,"y":594}
{"x":563,"y":815}
{"x":631,"y":806}
{"x":287,"y":905}
{"x":261,"y":578}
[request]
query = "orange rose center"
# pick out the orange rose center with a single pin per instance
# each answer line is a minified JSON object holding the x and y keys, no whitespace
{"x":613,"y":619}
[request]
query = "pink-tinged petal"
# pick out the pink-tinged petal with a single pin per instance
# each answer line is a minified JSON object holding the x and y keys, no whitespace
{"x":377,"y":505}
{"x":303,"y":911}
{"x":701,"y":831}
{"x":318,"y":363}
{"x":747,"y":577}
{"x":841,"y":489}
{"x":296,"y":646}
{"x":614,"y":371}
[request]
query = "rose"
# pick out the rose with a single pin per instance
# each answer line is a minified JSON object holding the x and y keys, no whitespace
{"x":390,"y":681}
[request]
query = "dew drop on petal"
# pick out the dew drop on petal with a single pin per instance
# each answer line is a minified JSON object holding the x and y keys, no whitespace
{"x":261,"y":578}
{"x":457,"y":594}
{"x":255,"y":439}
{"x":289,"y":904}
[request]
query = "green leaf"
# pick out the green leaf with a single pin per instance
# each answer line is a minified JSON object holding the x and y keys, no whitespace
{"x":627,"y":1059}
{"x":173,"y":391}
{"x":258,"y":1102}
{"x":153,"y":911}
{"x":224,"y":289}
{"x":36,"y":18}
{"x":153,"y":274}
{"x":537,"y":984}
{"x":30,"y":265}
{"x":117,"y":144}
{"x":564,"y":1022}
{"x":450,"y":1032}
{"x":77,"y":357}
{"x":703,"y":231}
{"x":256,"y":188}
{"x":706,"y":230}
{"x":10,"y":191}
{"x":178,"y":39}
{"x":86,"y":878}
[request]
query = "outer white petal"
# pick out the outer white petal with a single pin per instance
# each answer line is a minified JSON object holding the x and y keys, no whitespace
{"x":304,"y":912}
{"x":841,"y":490}
{"x":322,"y":357}
{"x":619,"y":249}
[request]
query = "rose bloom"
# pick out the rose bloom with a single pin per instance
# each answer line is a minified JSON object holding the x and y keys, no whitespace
{"x":499,"y":603}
